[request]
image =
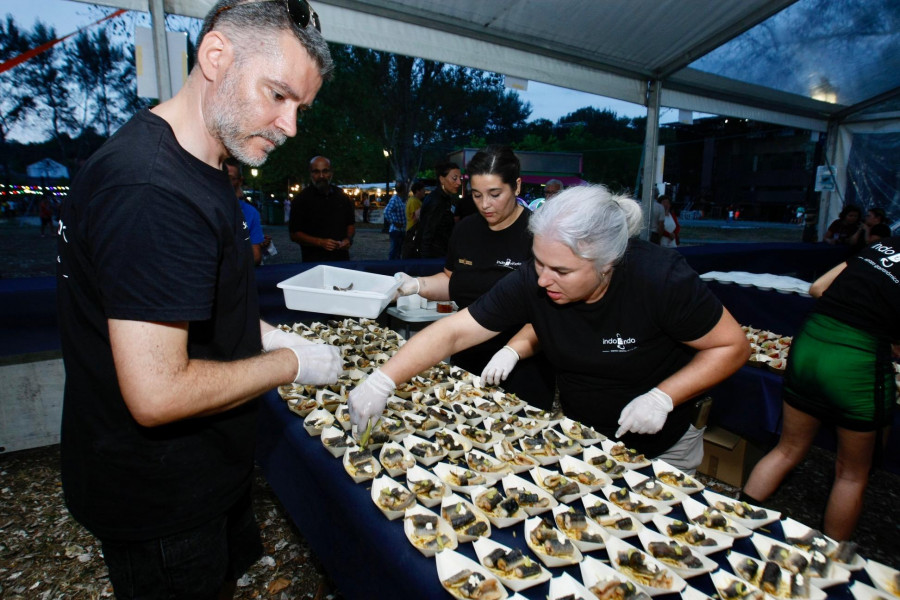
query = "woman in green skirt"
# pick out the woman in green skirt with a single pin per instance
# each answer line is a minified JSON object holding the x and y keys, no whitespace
{"x":840,"y":373}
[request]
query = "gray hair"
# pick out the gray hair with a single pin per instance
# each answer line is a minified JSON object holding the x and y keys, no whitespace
{"x":251,"y":24}
{"x":555,"y":182}
{"x":592,"y":222}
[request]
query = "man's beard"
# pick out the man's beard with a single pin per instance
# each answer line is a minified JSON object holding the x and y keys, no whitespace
{"x":223,"y":120}
{"x":323,"y":185}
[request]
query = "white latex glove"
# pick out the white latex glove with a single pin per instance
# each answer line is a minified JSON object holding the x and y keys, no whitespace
{"x":278,"y":338}
{"x":366,"y":401}
{"x":500,"y":366}
{"x":317,"y":364}
{"x":645,"y":414}
{"x":408,"y":285}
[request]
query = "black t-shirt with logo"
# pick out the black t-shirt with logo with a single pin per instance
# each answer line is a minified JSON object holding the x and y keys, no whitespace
{"x":324,"y":216}
{"x":613,"y":350}
{"x":151,"y":233}
{"x":866,"y":294}
{"x":480,"y":257}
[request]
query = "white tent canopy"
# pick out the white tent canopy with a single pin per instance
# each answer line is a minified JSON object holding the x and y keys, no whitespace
{"x":810,"y":64}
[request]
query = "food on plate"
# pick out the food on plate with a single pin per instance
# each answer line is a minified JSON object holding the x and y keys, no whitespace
{"x":845,"y":553}
{"x":653,"y":489}
{"x":741,"y":509}
{"x":426,"y":533}
{"x":574,"y":524}
{"x":811,"y":540}
{"x":714,"y":519}
{"x":470,"y":584}
{"x":426,"y":450}
{"x":395,"y":458}
{"x":617,"y":590}
{"x":477,"y":435}
{"x":464,"y":477}
{"x":584,"y":477}
{"x":677,"y":479}
{"x":547,"y":540}
{"x":479,"y":462}
{"x":561,"y":442}
{"x":622,"y":498}
{"x":577,"y":431}
{"x":627,"y":455}
{"x":395,"y":498}
{"x":674,"y":553}
{"x":426,"y":488}
{"x":738,"y":590}
{"x":511,"y":564}
{"x":600,"y":513}
{"x":338,"y":441}
{"x":448,"y":442}
{"x":537,"y":446}
{"x":634,"y":564}
{"x":559,"y":485}
{"x":680,"y":530}
{"x":463,"y":520}
{"x":493,"y":503}
{"x":517,"y":459}
{"x":788,"y":559}
{"x":528,"y":499}
{"x":607,"y":465}
{"x":361,"y":463}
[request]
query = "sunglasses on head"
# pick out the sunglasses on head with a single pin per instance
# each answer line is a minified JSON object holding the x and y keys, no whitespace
{"x":300,"y":11}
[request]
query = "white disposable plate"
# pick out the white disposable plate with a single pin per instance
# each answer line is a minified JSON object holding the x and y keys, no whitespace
{"x":360,"y":476}
{"x":882,"y":576}
{"x":509,"y":432}
{"x":452,"y":418}
{"x":608,"y":445}
{"x":450,"y":474}
{"x":661,"y":466}
{"x":411,"y":440}
{"x":634,"y":480}
{"x":533,"y":426}
{"x":862,"y":591}
{"x":525,"y":462}
{"x":329,"y":400}
{"x":417,"y":421}
{"x":475,"y":416}
{"x":694,"y":509}
{"x":736,"y":558}
{"x":771,"y":515}
{"x":407,"y":462}
{"x":442,"y":527}
{"x":317,"y":421}
{"x":540,"y":474}
{"x":614,"y":546}
{"x":707,"y":565}
{"x":564,"y":445}
{"x":547,"y":454}
{"x":497,"y":521}
{"x":342,"y":417}
{"x":416,"y":474}
{"x":722,"y":579}
{"x":494,"y":438}
{"x":793,"y":528}
{"x":571,"y":464}
{"x":566,"y":586}
{"x":539,"y":414}
{"x":692,"y":593}
{"x":569,"y":428}
{"x":452,"y":500}
{"x":509,"y":402}
{"x":330,"y":433}
{"x":451,"y":562}
{"x":484,"y":546}
{"x":513,"y":481}
{"x":497,"y":467}
{"x":723,"y":542}
{"x":834,"y":576}
{"x":594,"y":571}
{"x":385,"y":482}
{"x":592,"y":527}
{"x":466,"y":444}
{"x":548,"y":559}
{"x":592,"y":452}
{"x":643,"y":517}
{"x":615,"y":513}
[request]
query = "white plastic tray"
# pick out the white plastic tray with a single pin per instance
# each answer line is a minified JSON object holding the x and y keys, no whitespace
{"x":314,"y":291}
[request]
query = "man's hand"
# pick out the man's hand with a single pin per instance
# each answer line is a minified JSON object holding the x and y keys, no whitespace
{"x":408,"y":285}
{"x":500,"y":366}
{"x":317,"y":364}
{"x":645,"y":414}
{"x":367,"y":400}
{"x":278,"y":338}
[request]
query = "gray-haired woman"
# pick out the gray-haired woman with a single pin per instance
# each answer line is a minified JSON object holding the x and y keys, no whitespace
{"x":632,"y":331}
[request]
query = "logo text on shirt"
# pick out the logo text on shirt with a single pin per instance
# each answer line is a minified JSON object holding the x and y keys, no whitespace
{"x":618,"y":344}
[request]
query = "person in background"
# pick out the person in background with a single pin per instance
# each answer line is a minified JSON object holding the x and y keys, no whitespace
{"x":879,"y":232}
{"x":45,"y":212}
{"x":668,"y":227}
{"x":846,"y":229}
{"x":840,"y":373}
{"x":551,"y":188}
{"x":258,"y":241}
{"x":436,"y":214}
{"x":395,"y":216}
{"x":484,"y":248}
{"x":366,"y":205}
{"x":163,"y":347}
{"x":323,"y":220}
{"x":632,"y":331}
{"x":417,"y":193}
{"x":874,"y":216}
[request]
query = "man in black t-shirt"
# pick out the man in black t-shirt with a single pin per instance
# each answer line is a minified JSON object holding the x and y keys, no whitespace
{"x":159,"y":316}
{"x":322,"y":217}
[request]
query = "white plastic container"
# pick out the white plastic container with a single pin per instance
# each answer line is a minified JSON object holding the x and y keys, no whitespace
{"x":314,"y":291}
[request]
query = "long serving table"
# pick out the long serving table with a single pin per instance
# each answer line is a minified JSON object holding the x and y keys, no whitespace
{"x":368,"y":556}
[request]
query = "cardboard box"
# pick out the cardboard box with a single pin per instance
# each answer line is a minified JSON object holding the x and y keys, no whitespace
{"x":727,"y":456}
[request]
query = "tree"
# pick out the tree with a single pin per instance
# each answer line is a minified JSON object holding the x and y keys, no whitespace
{"x":93,"y":64}
{"x":45,"y":82}
{"x":15,"y":102}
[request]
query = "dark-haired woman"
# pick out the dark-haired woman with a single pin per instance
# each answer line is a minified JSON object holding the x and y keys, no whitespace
{"x":483,"y":249}
{"x":846,"y":229}
{"x":436,"y":215}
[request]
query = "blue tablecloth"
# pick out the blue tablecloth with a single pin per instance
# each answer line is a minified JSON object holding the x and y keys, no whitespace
{"x":369,"y":557}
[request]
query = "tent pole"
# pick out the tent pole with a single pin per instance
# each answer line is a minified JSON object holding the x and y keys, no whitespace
{"x":161,"y":49}
{"x":651,"y":140}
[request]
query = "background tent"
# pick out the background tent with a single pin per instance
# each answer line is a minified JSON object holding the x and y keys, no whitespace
{"x":47,"y":169}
